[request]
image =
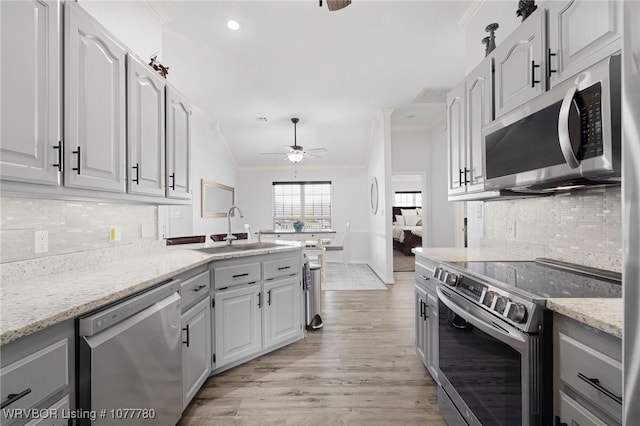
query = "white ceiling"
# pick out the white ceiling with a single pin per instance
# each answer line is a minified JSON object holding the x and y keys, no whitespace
{"x":334,"y":70}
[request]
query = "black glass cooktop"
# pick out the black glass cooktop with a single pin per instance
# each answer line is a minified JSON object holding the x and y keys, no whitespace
{"x":549,"y":280}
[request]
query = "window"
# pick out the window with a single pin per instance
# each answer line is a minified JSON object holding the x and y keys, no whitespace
{"x":408,"y":199}
{"x":309,"y":202}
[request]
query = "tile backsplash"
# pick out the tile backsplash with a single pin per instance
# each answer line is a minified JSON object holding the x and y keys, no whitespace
{"x":72,"y":226}
{"x":583,"y":227}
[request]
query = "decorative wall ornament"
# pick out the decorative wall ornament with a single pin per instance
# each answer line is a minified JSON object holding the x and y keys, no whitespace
{"x":526,"y":8}
{"x":374,"y":195}
{"x":490,"y":40}
{"x":162,"y":70}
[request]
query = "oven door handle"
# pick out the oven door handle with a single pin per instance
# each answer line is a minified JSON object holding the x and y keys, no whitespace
{"x":512,"y":338}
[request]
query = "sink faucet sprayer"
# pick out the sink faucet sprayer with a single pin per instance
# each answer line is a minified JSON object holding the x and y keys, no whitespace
{"x":230,"y":237}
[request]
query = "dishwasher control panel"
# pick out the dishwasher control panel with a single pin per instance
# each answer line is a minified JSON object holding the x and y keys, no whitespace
{"x":100,"y":320}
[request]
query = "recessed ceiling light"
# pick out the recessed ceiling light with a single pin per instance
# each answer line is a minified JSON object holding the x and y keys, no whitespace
{"x":410,"y":116}
{"x":262,"y":119}
{"x":233,"y":25}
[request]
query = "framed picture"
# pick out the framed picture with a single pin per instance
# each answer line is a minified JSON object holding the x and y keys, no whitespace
{"x":216,"y":199}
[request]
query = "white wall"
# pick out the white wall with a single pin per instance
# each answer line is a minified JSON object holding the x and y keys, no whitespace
{"x":379,"y":166}
{"x":349,"y":201}
{"x":409,"y":151}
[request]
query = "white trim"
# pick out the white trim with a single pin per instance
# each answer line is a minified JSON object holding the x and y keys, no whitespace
{"x":305,"y":167}
{"x":469,"y":13}
{"x":158,"y":11}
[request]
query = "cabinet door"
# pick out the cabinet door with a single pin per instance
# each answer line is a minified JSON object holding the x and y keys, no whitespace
{"x":479,"y":97}
{"x":196,"y":349}
{"x":455,"y":139}
{"x":582,"y":33}
{"x":238,"y":324}
{"x":282,"y":317}
{"x":30,"y":81}
{"x":421,"y":324}
{"x":432,"y":336}
{"x":178,"y":145}
{"x":145,"y":129}
{"x":520,"y":71}
{"x":571,"y":412}
{"x":94,"y":87}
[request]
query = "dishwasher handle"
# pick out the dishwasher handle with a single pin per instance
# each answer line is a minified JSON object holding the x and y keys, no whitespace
{"x":110,"y":315}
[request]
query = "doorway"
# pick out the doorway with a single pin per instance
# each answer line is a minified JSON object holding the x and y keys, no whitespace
{"x":407,"y":219}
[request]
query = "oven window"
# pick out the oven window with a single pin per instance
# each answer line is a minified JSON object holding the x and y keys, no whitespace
{"x":485,"y":372}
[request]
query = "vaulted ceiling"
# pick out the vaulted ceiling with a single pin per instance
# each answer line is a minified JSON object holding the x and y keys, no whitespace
{"x":335,"y":70}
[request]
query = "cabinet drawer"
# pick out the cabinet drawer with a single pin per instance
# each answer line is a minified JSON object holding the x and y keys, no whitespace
{"x":572,"y":413}
{"x":226,"y":276}
{"x":42,"y":374}
{"x":281,"y":267}
{"x":194,"y":289}
{"x":597,"y":376}
{"x":61,"y":409}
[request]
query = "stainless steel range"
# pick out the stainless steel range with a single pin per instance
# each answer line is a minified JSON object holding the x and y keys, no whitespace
{"x":494,"y":336}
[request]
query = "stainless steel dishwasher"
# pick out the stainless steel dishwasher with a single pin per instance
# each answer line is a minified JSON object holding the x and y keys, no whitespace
{"x":130,"y":360}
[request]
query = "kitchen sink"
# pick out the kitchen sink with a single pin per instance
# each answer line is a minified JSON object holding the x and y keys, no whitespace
{"x":234,"y":247}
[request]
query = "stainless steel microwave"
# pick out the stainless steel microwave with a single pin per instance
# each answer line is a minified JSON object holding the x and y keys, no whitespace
{"x":566,"y":138}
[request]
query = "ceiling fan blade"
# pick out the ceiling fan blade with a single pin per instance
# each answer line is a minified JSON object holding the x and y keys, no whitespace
{"x":272,"y":153}
{"x":308,"y":155}
{"x":337,"y":4}
{"x":316,"y":150}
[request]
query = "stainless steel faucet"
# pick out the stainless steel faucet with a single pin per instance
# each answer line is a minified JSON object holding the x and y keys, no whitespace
{"x":230,"y":237}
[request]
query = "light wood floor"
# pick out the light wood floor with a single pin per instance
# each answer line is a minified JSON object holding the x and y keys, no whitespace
{"x":360,"y":369}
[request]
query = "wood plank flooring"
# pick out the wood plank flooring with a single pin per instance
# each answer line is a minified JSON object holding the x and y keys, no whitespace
{"x":360,"y":369}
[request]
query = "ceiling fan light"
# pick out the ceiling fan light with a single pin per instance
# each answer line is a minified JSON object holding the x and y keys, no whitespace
{"x":295,"y":156}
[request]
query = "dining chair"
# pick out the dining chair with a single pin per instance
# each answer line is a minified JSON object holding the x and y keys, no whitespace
{"x":249,"y":231}
{"x":341,"y":247}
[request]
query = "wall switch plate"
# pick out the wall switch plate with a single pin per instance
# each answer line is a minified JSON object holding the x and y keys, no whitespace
{"x":41,"y":244}
{"x":511,"y":228}
{"x":115,"y":233}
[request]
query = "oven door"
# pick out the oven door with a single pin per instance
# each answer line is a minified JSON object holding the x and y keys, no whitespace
{"x":490,"y":371}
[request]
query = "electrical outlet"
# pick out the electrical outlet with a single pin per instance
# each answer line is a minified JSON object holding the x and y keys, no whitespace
{"x":41,"y":244}
{"x":511,"y":276}
{"x":511,"y":228}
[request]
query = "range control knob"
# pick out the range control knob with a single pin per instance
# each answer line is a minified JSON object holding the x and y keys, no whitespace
{"x":501,"y":304}
{"x":452,"y":279}
{"x":488,"y":298}
{"x":517,"y":313}
{"x":436,"y":273}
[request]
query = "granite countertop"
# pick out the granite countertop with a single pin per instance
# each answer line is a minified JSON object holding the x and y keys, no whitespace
{"x":602,"y":314}
{"x":463,"y":254}
{"x":32,"y":301}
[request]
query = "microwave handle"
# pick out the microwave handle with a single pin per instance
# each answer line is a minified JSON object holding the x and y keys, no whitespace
{"x":563,"y":129}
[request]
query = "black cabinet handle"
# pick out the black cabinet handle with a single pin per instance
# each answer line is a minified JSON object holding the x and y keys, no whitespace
{"x":549,"y":70}
{"x":558,"y":422}
{"x":460,"y":172}
{"x":596,"y":384}
{"x":426,"y":311}
{"x":283,"y":268}
{"x":269,"y":297}
{"x":421,"y":309}
{"x":424,"y":277}
{"x":172,"y":176}
{"x":259,"y":297}
{"x":187,"y":330}
{"x":13,"y":397}
{"x":59,"y":148}
{"x":240,"y":275}
{"x":137,"y":169}
{"x":466,"y":180}
{"x":77,"y":152}
{"x":533,"y":73}
{"x":200,"y":287}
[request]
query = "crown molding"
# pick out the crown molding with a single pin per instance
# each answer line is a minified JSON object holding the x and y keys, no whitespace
{"x":469,"y":13}
{"x":158,"y":11}
{"x":303,"y":168}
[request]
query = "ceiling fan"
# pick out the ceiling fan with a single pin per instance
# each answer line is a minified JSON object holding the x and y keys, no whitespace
{"x":336,"y":4}
{"x":295,"y":152}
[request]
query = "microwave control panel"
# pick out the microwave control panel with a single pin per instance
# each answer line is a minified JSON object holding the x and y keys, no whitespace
{"x":590,"y":107}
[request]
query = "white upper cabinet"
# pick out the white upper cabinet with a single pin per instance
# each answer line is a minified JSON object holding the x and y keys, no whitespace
{"x":479,"y":98}
{"x":178,"y":145}
{"x":581,"y":33}
{"x":519,"y":64}
{"x":94,"y":104}
{"x":145,"y":130}
{"x":30,"y":82}
{"x":456,"y":133}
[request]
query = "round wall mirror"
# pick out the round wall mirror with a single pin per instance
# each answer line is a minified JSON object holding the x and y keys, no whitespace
{"x":374,"y":195}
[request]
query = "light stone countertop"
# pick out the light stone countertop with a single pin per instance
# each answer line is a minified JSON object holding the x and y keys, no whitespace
{"x":462,"y":254}
{"x":30,"y":303}
{"x":602,"y":314}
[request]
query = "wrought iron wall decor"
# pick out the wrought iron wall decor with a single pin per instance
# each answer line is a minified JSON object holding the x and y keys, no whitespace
{"x":158,"y":66}
{"x":526,"y":8}
{"x":490,"y":41}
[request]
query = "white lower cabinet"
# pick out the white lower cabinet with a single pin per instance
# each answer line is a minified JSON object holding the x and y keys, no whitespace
{"x":54,"y":415}
{"x":196,"y":349}
{"x":237,"y":323}
{"x":282,"y":311}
